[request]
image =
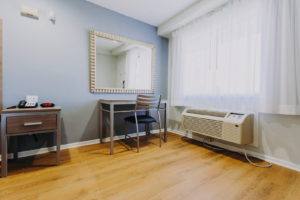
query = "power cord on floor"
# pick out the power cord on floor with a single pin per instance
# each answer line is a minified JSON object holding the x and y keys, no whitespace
{"x":204,"y":143}
{"x":254,"y":164}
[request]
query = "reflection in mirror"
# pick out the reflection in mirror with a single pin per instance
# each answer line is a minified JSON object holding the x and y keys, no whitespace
{"x":121,"y":65}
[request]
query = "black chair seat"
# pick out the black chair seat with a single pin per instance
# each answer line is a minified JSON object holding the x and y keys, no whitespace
{"x":141,"y":119}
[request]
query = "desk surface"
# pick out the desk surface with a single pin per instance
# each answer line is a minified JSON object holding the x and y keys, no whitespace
{"x":37,"y":109}
{"x":124,"y":101}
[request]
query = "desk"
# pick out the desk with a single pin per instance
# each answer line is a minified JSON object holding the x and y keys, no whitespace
{"x":28,"y":121}
{"x":112,"y":103}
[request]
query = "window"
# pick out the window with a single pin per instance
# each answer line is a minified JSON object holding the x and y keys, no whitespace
{"x":244,"y":56}
{"x":216,"y":59}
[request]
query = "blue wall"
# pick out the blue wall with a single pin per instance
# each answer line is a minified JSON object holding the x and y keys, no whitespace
{"x":52,"y":60}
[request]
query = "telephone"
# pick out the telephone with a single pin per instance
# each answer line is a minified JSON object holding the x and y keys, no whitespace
{"x":24,"y":104}
{"x":30,"y":102}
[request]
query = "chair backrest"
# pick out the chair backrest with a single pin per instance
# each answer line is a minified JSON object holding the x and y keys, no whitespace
{"x":147,"y":102}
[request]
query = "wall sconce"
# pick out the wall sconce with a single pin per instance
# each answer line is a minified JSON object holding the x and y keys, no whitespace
{"x":52,"y":16}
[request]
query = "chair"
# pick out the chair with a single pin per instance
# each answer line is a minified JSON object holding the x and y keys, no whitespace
{"x":144,"y":103}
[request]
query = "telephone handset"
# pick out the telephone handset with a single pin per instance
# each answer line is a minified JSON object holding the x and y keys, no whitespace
{"x":24,"y":104}
{"x":30,"y":102}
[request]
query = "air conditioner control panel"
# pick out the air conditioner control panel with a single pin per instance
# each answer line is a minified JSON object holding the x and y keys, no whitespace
{"x":238,"y":116}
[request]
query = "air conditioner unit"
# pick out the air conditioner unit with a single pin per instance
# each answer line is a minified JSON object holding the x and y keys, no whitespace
{"x":229,"y":126}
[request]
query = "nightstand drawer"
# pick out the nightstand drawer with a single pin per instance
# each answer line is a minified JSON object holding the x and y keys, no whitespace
{"x":24,"y":124}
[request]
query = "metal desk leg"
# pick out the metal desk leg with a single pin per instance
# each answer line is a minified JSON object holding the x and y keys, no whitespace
{"x":165,"y":124}
{"x":111,"y":129}
{"x":58,"y":139}
{"x":3,"y":148}
{"x":101,"y":123}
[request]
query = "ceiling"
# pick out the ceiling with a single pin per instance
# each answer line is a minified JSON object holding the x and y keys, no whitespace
{"x":106,"y":44}
{"x":113,"y":47}
{"x":153,"y":12}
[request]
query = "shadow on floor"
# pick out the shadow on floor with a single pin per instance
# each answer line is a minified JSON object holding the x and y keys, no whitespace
{"x":225,"y":152}
{"x":121,"y":146}
{"x":36,"y":162}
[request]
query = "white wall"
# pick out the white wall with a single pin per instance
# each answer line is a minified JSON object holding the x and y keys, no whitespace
{"x":106,"y":71}
{"x":279,"y":137}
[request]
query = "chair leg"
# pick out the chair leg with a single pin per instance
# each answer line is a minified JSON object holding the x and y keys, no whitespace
{"x":125,"y":130}
{"x":146,"y":129}
{"x":159,"y":122}
{"x":159,"y":134}
{"x":137,"y":136}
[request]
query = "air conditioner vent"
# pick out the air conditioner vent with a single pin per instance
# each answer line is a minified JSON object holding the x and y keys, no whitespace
{"x":231,"y":127}
{"x":204,"y":126}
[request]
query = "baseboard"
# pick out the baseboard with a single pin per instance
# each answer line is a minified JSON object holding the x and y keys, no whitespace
{"x":33,"y":152}
{"x":267,"y":158}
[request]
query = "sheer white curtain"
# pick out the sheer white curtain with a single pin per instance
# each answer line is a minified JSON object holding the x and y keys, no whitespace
{"x":280,"y":89}
{"x":215,"y":60}
{"x":224,"y":60}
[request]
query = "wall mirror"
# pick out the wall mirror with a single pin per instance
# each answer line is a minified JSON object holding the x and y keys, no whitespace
{"x":120,"y":65}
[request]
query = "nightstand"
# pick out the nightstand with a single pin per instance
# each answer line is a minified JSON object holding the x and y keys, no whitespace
{"x":28,"y":121}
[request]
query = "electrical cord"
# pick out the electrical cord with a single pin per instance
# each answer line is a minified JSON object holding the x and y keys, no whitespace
{"x":254,"y":164}
{"x":205,"y":144}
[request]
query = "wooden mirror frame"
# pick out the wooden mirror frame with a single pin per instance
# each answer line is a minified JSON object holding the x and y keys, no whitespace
{"x":93,"y":89}
{"x":1,"y":106}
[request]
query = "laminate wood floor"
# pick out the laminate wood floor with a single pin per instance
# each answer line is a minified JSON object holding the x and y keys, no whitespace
{"x":181,"y":169}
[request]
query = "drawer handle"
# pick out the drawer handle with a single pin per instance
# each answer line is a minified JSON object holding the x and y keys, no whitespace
{"x":33,"y":124}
